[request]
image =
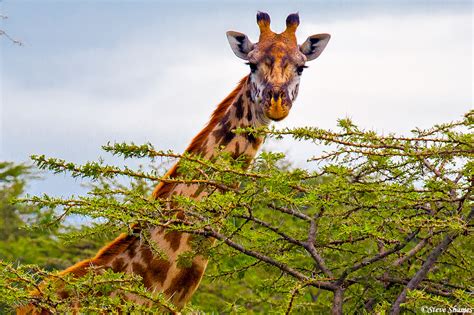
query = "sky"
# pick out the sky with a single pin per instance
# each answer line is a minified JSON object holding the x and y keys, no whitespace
{"x":91,"y":72}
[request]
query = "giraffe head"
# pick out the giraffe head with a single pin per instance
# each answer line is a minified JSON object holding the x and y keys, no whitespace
{"x":276,"y":63}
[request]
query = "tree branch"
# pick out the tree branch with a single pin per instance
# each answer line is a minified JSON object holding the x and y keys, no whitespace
{"x":425,"y":268}
{"x":298,"y":275}
{"x":411,"y":252}
{"x":309,"y":246}
{"x":338,"y":301}
{"x":378,"y":257}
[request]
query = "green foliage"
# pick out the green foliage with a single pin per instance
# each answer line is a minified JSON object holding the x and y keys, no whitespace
{"x":382,"y":221}
{"x":97,"y":292}
{"x":24,"y":245}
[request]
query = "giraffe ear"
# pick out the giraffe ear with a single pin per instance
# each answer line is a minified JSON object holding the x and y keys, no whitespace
{"x":240,"y":44}
{"x":314,"y":45}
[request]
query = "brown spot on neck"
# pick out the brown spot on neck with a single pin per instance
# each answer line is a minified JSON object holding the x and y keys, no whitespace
{"x":236,"y":152}
{"x":140,"y":270}
{"x":118,"y":265}
{"x":174,"y":239}
{"x":185,"y":281}
{"x":152,"y":269}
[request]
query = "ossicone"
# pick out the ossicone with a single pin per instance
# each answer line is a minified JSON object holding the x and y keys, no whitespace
{"x":292,"y":22}
{"x":263,"y":21}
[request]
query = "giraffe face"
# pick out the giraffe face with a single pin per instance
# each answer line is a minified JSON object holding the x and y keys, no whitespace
{"x":276,"y":63}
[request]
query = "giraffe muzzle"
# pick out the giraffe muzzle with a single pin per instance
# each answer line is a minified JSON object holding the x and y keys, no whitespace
{"x":277,"y":105}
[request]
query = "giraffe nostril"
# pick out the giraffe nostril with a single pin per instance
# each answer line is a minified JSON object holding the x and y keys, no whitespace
{"x":269,"y":94}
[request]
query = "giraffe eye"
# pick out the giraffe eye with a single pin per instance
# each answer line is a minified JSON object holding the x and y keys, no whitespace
{"x":253,"y":66}
{"x":300,"y":69}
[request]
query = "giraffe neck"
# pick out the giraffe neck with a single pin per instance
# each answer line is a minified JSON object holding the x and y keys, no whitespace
{"x":176,"y":282}
{"x":237,"y":111}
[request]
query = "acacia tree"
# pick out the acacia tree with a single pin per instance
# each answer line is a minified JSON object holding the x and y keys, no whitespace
{"x":377,"y":223}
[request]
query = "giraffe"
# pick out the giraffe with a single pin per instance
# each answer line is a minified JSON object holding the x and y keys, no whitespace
{"x":266,"y":94}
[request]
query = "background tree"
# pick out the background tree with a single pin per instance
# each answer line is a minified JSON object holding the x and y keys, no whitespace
{"x":376,"y":223}
{"x":33,"y":246}
{"x":23,"y":245}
